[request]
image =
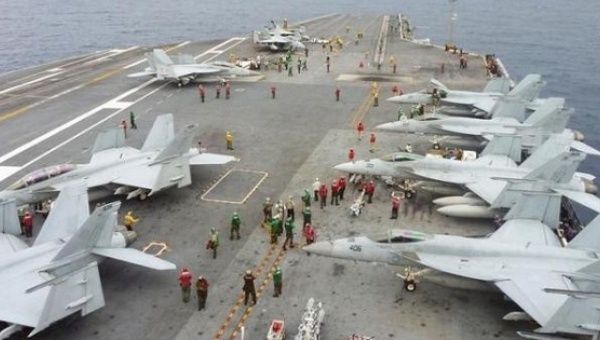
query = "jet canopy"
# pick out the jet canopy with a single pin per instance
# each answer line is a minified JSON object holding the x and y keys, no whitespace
{"x":400,"y":157}
{"x":41,"y":175}
{"x":400,"y":236}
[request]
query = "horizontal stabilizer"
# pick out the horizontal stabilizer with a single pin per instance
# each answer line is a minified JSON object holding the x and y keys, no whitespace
{"x":9,"y":221}
{"x":136,"y":257}
{"x":583,"y":198}
{"x":579,"y":146}
{"x":211,"y":159}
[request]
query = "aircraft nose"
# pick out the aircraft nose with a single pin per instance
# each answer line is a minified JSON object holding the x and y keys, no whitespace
{"x":348,"y":167}
{"x":392,"y":126}
{"x":397,"y":99}
{"x":323,"y":248}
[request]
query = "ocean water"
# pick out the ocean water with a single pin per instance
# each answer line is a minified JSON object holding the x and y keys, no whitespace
{"x":556,"y":38}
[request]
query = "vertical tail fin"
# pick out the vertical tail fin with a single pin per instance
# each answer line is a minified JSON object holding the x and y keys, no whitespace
{"x":96,"y":231}
{"x":509,"y":107}
{"x":555,"y":144}
{"x":504,"y":145}
{"x":498,"y":85}
{"x":438,"y":85}
{"x":151,"y":62}
{"x":559,"y":169}
{"x":70,"y":211}
{"x":161,"y":134}
{"x":178,"y":145}
{"x":528,"y":88}
{"x":160,"y":57}
{"x":109,"y":139}
{"x":9,"y":221}
{"x":544,"y":207}
{"x":551,"y":116}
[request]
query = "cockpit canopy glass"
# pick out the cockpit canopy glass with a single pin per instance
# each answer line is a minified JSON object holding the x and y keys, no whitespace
{"x":41,"y":175}
{"x":400,"y":236}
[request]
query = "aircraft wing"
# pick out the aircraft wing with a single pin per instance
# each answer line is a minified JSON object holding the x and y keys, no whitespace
{"x":488,"y":189}
{"x":526,"y":289}
{"x":481,"y":103}
{"x":525,"y":232}
{"x":449,"y":177}
{"x":274,"y":40}
{"x":139,"y":177}
{"x":194,"y":70}
{"x":211,"y":159}
{"x":476,"y":130}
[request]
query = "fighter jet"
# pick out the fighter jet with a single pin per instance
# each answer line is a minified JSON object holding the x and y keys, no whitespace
{"x":186,"y":70}
{"x":558,"y":287}
{"x":489,"y":175}
{"x":279,"y":39}
{"x":163,"y":162}
{"x":527,"y":90}
{"x":58,"y":276}
{"x":550,"y":117}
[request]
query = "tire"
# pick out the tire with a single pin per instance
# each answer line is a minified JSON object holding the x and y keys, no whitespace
{"x":408,"y":194}
{"x":410,"y":286}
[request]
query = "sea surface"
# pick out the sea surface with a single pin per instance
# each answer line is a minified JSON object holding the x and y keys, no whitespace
{"x":557,"y":38}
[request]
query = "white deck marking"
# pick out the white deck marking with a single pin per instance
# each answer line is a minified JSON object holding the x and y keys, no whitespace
{"x":7,"y":171}
{"x":263,"y":177}
{"x":110,"y":104}
{"x":70,"y":123}
{"x":216,"y":49}
{"x":37,"y":80}
{"x":91,"y":127}
{"x":142,"y":60}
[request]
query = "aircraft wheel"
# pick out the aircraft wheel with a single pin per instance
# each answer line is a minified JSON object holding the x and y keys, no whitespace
{"x":143,"y":196}
{"x":408,"y":194}
{"x":410,"y":286}
{"x":179,"y":84}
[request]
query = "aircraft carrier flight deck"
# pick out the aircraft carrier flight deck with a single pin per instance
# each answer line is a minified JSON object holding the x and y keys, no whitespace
{"x":50,"y":114}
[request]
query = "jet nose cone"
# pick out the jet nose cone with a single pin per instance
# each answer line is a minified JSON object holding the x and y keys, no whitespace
{"x":320,"y":248}
{"x":396,"y":99}
{"x":348,"y":167}
{"x":392,"y":126}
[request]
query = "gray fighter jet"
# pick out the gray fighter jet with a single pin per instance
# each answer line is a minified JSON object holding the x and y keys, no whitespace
{"x":186,"y":70}
{"x":527,"y":90}
{"x":279,"y":39}
{"x":58,"y":276}
{"x":558,"y":287}
{"x":163,"y":162}
{"x":550,"y":117}
{"x":489,"y":175}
